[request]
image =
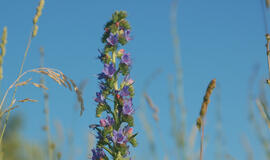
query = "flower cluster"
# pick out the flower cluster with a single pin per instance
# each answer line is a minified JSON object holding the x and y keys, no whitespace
{"x":116,"y":93}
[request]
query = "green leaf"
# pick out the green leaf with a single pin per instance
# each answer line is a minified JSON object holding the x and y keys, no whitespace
{"x":131,"y":90}
{"x":100,"y":109}
{"x":122,"y":40}
{"x":124,"y":23}
{"x":122,"y":15}
{"x":115,"y":17}
{"x":124,"y":69}
{"x":133,"y":142}
{"x":105,"y":36}
{"x":128,"y":119}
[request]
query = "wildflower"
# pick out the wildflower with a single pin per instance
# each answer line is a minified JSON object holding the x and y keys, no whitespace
{"x":93,"y":126}
{"x":126,"y":35}
{"x":109,"y":70}
{"x":102,"y":55}
{"x":101,"y":76}
{"x":111,"y":134}
{"x":98,"y":154}
{"x":127,"y":107}
{"x":100,"y":98}
{"x":120,"y":52}
{"x":118,"y":96}
{"x":112,"y":39}
{"x":107,"y":29}
{"x":124,"y":91}
{"x":127,"y":130}
{"x":128,"y":80}
{"x":126,"y":59}
{"x":102,"y":86}
{"x":106,"y":122}
{"x":119,"y":137}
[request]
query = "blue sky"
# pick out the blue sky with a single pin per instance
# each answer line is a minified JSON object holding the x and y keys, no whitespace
{"x":218,"y":39}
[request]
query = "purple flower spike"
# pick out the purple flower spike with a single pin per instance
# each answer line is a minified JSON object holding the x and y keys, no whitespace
{"x":109,"y":70}
{"x":127,"y":107}
{"x":126,"y":59}
{"x":100,"y":98}
{"x":119,"y":137}
{"x":113,"y":39}
{"x":124,"y":91}
{"x":98,"y":154}
{"x":126,"y":34}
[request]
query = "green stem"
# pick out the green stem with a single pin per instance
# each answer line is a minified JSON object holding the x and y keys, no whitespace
{"x":114,"y":63}
{"x":116,"y":88}
{"x":108,"y":150}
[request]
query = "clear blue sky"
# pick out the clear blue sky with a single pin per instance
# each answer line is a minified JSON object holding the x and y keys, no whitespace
{"x":218,"y":39}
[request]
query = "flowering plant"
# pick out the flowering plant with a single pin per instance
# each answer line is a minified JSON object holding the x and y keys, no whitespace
{"x":114,"y":98}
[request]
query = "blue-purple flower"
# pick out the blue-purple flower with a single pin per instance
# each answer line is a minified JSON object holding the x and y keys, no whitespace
{"x":93,"y":126}
{"x":126,"y":35}
{"x":101,"y":54}
{"x":109,"y":70}
{"x":127,"y":107}
{"x":128,"y":80}
{"x":125,"y":91}
{"x":100,"y":98}
{"x":127,"y":130}
{"x":106,"y":122}
{"x":126,"y":59}
{"x":112,"y":39}
{"x":101,"y":76}
{"x":98,"y":154}
{"x":102,"y":86}
{"x":119,"y":137}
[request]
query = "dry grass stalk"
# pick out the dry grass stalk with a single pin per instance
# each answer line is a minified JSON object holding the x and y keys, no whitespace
{"x":200,"y":120}
{"x":46,"y":108}
{"x":152,"y":106}
{"x":263,"y":113}
{"x":36,"y":17}
{"x":27,"y":100}
{"x":247,"y":147}
{"x":267,"y":36}
{"x":9,"y":108}
{"x":267,"y":3}
{"x":206,"y":100}
{"x":79,"y":95}
{"x":23,"y":83}
{"x":66,"y":80}
{"x":39,"y":85}
{"x":53,"y":74}
{"x":81,"y":87}
{"x":3,"y":50}
{"x":179,"y":132}
{"x":31,"y":36}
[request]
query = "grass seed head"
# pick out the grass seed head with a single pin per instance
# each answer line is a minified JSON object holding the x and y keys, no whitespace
{"x":206,"y":101}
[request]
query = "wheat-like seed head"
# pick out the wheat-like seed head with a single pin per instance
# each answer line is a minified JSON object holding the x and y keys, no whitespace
{"x":36,"y":17}
{"x":55,"y":75}
{"x":3,"y":50}
{"x":206,"y":100}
